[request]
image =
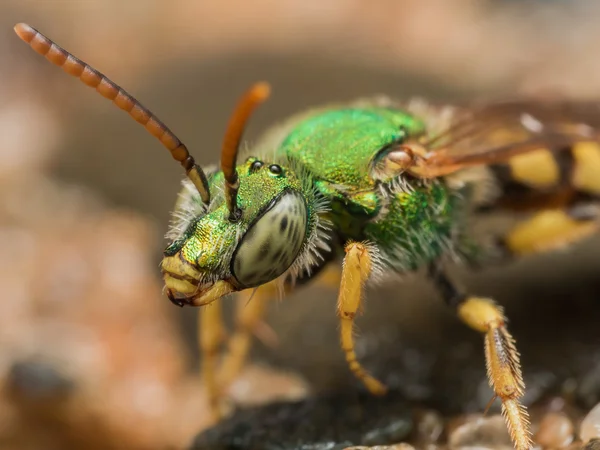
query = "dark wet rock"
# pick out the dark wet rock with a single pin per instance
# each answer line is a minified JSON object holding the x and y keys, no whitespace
{"x":319,"y":423}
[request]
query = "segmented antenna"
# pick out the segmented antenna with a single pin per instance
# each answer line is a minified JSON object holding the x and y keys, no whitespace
{"x":231,"y":143}
{"x":90,"y":76}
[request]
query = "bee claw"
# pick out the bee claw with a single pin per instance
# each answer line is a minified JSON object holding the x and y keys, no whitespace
{"x":489,"y":404}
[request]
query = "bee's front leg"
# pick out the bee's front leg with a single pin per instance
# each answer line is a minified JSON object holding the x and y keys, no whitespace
{"x":502,"y":358}
{"x":251,"y":308}
{"x":355,"y":272}
{"x":211,"y":334}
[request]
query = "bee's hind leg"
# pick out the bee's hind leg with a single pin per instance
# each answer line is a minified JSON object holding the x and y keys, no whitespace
{"x":502,"y":358}
{"x":355,"y":272}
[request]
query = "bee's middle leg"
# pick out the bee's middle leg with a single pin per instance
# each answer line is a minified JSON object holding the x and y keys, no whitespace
{"x":502,"y":358}
{"x":355,"y":272}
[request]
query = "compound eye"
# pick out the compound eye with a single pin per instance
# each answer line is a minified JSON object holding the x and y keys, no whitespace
{"x":272,"y":243}
{"x":275,"y":169}
{"x":255,"y":166}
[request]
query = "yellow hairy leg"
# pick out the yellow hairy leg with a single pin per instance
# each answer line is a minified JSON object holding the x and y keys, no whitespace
{"x":251,"y":308}
{"x":503,"y":365}
{"x":211,"y":334}
{"x":502,"y":358}
{"x":355,"y":272}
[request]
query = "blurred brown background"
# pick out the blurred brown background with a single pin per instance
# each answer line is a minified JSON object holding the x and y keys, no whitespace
{"x":90,"y":351}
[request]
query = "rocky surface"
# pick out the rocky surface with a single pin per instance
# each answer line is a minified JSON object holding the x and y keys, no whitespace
{"x":321,"y":423}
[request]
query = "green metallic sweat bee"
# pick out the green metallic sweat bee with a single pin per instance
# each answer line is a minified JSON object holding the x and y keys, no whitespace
{"x":386,"y":188}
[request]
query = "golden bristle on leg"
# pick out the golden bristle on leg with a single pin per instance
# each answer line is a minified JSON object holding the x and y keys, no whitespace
{"x":503,"y":367}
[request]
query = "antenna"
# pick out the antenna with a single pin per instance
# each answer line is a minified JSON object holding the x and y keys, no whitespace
{"x":120,"y":97}
{"x":257,"y":94}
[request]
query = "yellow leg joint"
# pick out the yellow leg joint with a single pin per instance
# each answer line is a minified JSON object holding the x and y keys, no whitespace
{"x":480,"y":313}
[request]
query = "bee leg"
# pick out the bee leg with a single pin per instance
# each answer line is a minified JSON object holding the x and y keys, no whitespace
{"x":251,"y":307}
{"x":355,"y":272}
{"x":502,"y":358}
{"x":211,"y":334}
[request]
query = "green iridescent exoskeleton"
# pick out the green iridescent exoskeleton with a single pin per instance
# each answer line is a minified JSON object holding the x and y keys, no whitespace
{"x":342,"y":149}
{"x":332,"y":169}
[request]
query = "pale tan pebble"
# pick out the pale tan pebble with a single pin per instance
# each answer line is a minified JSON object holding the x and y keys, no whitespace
{"x":555,"y":431}
{"x":590,"y":426}
{"x":258,"y":385}
{"x":430,"y":426}
{"x":557,"y":404}
{"x":452,"y":423}
{"x":479,"y":431}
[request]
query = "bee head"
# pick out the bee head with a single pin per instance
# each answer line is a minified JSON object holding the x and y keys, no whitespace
{"x":217,"y":253}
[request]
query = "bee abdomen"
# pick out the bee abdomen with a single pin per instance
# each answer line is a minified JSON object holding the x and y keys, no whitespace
{"x":548,"y":178}
{"x":561,"y":190}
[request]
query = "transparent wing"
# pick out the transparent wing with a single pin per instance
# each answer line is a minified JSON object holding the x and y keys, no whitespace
{"x":494,"y":132}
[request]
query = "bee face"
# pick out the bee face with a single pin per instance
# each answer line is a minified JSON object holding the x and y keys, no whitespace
{"x":216,"y":255}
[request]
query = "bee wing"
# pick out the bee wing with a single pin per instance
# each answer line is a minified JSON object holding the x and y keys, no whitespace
{"x":493,"y":133}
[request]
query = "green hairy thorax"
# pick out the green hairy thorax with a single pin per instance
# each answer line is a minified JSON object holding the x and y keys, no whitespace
{"x":410,"y":221}
{"x":331,"y":158}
